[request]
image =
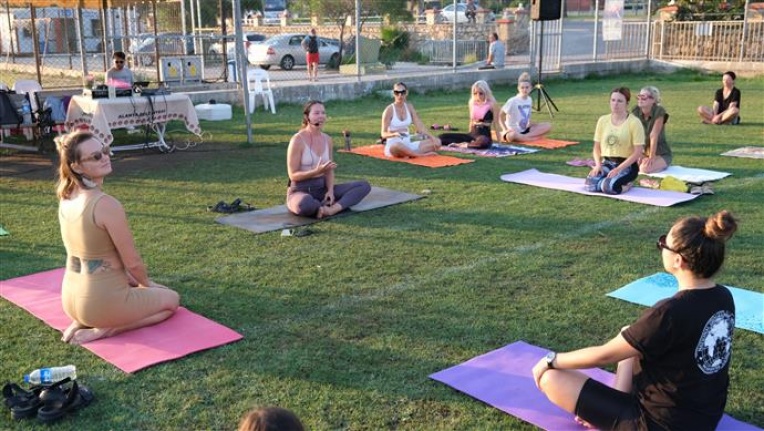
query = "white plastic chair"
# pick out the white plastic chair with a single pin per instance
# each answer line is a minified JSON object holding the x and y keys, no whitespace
{"x":260,"y":84}
{"x":30,"y":87}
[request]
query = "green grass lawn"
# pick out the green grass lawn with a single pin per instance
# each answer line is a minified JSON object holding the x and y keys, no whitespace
{"x":344,"y":326}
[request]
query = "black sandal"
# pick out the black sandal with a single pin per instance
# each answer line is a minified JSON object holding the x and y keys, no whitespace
{"x":23,"y":404}
{"x":57,"y":400}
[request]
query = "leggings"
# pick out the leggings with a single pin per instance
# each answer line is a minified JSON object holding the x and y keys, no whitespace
{"x":304,"y":198}
{"x":612,"y":186}
{"x":471,"y":138}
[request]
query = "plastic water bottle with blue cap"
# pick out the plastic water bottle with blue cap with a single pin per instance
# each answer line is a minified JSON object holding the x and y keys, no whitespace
{"x":26,"y":111}
{"x":44,"y":376}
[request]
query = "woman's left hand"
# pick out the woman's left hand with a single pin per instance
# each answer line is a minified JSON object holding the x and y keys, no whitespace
{"x":539,"y":369}
{"x":613,"y":173}
{"x":329,"y":198}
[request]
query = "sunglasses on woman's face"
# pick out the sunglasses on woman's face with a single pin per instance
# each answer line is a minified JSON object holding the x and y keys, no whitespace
{"x":105,"y":151}
{"x":662,"y":245}
{"x":644,"y":97}
{"x":399,"y":92}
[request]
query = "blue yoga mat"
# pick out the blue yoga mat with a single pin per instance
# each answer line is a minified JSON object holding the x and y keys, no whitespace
{"x":749,"y":306}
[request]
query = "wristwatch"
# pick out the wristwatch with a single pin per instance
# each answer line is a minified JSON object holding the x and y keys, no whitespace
{"x":550,"y":357}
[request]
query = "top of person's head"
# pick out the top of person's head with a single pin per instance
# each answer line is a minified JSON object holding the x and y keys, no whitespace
{"x":270,"y":419}
{"x":495,"y":36}
{"x":700,"y":241}
{"x":653,"y":92}
{"x":313,"y":30}
{"x":524,"y":77}
{"x":623,"y":91}
{"x":400,"y":84}
{"x":731,"y":74}
{"x":484,"y":88}
{"x":68,"y":150}
{"x":118,"y":55}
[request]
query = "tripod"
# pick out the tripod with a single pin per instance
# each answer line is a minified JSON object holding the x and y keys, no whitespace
{"x":539,"y":90}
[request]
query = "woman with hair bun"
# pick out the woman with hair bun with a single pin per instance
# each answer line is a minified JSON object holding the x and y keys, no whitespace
{"x":673,"y":362}
{"x":657,"y":154}
{"x":312,"y":191}
{"x":516,"y":115}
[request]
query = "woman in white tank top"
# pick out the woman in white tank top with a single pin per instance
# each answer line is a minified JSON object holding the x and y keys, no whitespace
{"x":396,"y":121}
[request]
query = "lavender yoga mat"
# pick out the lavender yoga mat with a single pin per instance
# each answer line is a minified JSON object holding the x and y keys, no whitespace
{"x":503,"y":379}
{"x":533,"y":177}
{"x":182,"y":334}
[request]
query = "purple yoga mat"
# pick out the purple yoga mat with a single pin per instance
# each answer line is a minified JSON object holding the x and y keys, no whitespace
{"x":180,"y":335}
{"x":503,"y":379}
{"x":661,"y":198}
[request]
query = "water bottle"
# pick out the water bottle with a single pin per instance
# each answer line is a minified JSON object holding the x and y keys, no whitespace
{"x":44,"y":376}
{"x":26,"y":111}
{"x":346,"y":134}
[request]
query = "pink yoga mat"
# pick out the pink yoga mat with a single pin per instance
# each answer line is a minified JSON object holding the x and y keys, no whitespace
{"x":533,"y":177}
{"x":182,"y":334}
{"x":503,"y":379}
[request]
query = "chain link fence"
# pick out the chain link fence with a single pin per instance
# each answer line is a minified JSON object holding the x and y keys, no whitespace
{"x":194,"y":42}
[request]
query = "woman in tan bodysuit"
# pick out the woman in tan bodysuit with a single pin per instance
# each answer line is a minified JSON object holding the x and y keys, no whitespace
{"x":106,"y":288}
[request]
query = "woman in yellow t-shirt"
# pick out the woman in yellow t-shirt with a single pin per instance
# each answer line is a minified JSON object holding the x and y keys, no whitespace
{"x":618,"y":144}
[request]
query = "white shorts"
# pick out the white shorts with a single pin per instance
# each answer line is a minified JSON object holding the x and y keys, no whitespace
{"x":406,"y":141}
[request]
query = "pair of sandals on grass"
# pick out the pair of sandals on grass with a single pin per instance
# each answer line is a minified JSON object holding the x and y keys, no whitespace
{"x":234,"y":207}
{"x":48,"y":403}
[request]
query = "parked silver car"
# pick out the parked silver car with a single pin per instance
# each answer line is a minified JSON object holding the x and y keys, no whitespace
{"x":285,"y":50}
{"x":216,"y":49}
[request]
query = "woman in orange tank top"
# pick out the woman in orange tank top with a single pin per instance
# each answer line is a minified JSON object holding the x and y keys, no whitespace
{"x":106,"y":288}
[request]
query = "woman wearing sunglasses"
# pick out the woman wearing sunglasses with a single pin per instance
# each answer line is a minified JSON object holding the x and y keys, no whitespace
{"x":106,"y":288}
{"x":396,"y":121}
{"x":673,"y":362}
{"x":619,"y":140}
{"x":657,"y":155}
{"x":484,"y":116}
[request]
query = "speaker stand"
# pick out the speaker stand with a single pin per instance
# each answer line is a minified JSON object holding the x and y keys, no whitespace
{"x":539,"y":91}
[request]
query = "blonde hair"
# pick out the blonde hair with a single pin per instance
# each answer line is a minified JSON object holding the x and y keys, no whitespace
{"x":68,"y":152}
{"x":485,"y":88}
{"x":653,"y":92}
{"x":524,"y":77}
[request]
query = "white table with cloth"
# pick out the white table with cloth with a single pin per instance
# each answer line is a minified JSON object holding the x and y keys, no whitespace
{"x":101,"y":116}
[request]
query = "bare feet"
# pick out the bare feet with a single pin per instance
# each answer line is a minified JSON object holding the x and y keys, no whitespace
{"x":331,"y":210}
{"x":69,"y":332}
{"x":85,"y":335}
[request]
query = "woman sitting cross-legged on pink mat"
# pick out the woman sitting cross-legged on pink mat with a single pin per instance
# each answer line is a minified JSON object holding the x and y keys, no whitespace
{"x":106,"y":288}
{"x":312,"y":192}
{"x":619,"y":141}
{"x":673,"y":362}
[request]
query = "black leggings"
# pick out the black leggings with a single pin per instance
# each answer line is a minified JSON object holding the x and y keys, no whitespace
{"x":607,"y":408}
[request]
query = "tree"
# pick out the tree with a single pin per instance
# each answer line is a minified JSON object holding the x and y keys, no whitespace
{"x":337,"y":12}
{"x":710,"y":10}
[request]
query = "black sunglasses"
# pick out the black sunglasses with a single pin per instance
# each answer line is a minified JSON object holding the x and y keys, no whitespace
{"x":661,"y":245}
{"x":105,"y":151}
{"x":399,"y":91}
{"x":119,"y":61}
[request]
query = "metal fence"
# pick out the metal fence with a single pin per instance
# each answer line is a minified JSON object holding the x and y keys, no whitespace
{"x":161,"y":39}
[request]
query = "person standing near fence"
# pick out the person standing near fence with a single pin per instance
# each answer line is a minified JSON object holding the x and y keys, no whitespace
{"x":310,"y":45}
{"x":496,"y":53}
{"x":119,"y":76}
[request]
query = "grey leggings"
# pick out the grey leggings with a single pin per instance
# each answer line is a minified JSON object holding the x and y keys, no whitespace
{"x":304,"y":198}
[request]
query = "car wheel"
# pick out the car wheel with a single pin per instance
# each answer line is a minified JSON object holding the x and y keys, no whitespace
{"x":287,"y":63}
{"x":334,"y":61}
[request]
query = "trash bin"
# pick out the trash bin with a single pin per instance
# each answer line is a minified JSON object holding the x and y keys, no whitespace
{"x":232,"y":75}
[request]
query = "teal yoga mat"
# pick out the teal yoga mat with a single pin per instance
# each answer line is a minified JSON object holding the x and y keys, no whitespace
{"x":749,"y":305}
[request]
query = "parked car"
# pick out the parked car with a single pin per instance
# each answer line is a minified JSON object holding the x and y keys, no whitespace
{"x":168,"y":43}
{"x":448,"y":13}
{"x":285,"y":50}
{"x":216,"y":49}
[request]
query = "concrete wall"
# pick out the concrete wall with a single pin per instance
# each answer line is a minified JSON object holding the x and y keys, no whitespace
{"x":349,"y":88}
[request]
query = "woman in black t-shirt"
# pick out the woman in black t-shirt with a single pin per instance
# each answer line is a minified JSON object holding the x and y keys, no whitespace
{"x":726,"y":107}
{"x":673,"y":362}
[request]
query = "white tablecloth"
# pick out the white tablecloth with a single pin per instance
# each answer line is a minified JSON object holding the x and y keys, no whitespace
{"x":100,"y":116}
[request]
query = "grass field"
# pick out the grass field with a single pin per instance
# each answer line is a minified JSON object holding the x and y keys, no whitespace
{"x":345,"y":325}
